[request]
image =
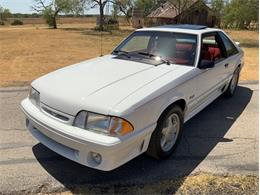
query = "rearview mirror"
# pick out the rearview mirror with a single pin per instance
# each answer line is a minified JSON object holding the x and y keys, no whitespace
{"x":205,"y":64}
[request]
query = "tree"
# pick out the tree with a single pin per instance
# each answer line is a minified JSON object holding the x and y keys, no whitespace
{"x":240,"y":13}
{"x":101,"y":5}
{"x":181,"y":5}
{"x":51,"y":10}
{"x":115,"y":11}
{"x":146,"y":5}
{"x":218,"y":7}
{"x":125,"y":7}
{"x":4,"y":14}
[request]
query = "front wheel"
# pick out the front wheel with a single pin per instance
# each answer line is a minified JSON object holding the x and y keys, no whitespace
{"x":167,"y":133}
{"x":233,"y":84}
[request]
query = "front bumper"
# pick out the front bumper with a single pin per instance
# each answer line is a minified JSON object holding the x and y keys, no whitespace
{"x":77,"y":144}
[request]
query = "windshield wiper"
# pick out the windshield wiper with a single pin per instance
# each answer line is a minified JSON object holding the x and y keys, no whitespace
{"x":147,"y":54}
{"x":121,"y":52}
{"x":165,"y":61}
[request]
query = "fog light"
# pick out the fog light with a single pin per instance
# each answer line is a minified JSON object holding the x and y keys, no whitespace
{"x":96,"y":157}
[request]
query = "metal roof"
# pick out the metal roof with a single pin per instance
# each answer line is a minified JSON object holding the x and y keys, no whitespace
{"x":167,"y":10}
{"x":170,"y":8}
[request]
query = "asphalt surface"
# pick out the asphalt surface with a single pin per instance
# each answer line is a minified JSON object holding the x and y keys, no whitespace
{"x":222,"y":139}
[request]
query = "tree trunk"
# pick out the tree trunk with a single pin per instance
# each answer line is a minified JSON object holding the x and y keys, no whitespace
{"x":54,"y":22}
{"x":101,"y":19}
{"x":54,"y":19}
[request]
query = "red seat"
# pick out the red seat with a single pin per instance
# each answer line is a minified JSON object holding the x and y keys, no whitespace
{"x":183,"y":46}
{"x":214,"y":53}
{"x":206,"y":55}
{"x":183,"y":53}
{"x":210,"y":52}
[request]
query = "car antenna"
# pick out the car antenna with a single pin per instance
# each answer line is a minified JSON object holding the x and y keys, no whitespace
{"x":101,"y":42}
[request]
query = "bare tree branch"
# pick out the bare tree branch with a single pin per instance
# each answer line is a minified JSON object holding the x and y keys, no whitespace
{"x":36,"y":9}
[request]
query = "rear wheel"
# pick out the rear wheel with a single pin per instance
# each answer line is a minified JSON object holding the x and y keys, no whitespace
{"x":167,"y":133}
{"x":233,"y":84}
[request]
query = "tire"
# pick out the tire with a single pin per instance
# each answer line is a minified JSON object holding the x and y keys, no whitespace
{"x":157,"y":148}
{"x":230,"y":91}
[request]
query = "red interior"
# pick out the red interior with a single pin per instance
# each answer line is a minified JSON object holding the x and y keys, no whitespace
{"x":183,"y":53}
{"x":210,"y":52}
{"x":184,"y":46}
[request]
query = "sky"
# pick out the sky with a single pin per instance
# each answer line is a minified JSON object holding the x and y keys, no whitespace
{"x":24,"y":6}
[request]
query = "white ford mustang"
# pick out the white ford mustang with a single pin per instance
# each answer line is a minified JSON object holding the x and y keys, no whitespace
{"x":104,"y":112}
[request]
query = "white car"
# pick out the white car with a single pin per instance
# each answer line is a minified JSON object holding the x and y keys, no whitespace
{"x":104,"y":112}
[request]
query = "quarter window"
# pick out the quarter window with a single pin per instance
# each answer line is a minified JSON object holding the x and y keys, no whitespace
{"x":230,"y":47}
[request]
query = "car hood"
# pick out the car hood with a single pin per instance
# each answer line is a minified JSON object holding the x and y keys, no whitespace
{"x":96,"y":85}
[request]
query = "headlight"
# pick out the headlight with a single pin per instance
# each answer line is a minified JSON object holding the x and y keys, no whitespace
{"x":34,"y":96}
{"x":98,"y":122}
{"x":104,"y":124}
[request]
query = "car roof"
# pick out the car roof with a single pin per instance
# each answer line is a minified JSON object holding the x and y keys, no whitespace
{"x":184,"y":28}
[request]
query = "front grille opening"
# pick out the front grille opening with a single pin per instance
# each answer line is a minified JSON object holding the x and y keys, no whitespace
{"x":56,"y":115}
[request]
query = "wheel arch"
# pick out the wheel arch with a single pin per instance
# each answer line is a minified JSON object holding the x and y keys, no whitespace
{"x":152,"y":147}
{"x":180,"y":102}
{"x":238,"y":67}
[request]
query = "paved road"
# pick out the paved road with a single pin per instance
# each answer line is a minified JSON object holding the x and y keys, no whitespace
{"x":222,"y":139}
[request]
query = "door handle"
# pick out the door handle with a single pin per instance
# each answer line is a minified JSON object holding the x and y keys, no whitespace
{"x":226,"y":65}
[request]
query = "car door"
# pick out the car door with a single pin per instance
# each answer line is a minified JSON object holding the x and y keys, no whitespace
{"x":232,"y":55}
{"x":211,"y":80}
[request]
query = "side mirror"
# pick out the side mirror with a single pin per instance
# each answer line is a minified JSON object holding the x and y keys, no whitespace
{"x":237,"y":43}
{"x":205,"y":64}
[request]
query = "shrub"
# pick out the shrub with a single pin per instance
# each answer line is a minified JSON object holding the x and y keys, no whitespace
{"x":112,"y":27}
{"x":108,"y":27}
{"x":47,"y":17}
{"x":112,"y":22}
{"x":17,"y":22}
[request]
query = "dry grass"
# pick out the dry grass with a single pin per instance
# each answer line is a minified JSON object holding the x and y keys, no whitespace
{"x":28,"y":52}
{"x":196,"y":184}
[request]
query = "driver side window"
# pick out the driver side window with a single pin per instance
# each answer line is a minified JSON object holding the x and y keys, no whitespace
{"x":211,"y":49}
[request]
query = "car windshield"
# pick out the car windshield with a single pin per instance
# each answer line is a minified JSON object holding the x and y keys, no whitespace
{"x":171,"y":47}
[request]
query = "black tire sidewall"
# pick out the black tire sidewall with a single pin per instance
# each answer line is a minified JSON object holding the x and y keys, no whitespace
{"x":155,"y":144}
{"x":229,"y":92}
{"x":236,"y":72}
